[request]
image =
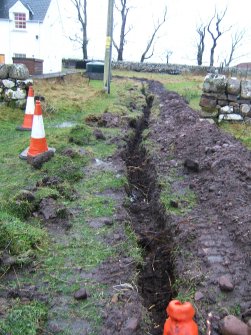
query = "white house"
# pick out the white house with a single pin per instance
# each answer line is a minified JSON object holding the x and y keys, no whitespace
{"x":32,"y":29}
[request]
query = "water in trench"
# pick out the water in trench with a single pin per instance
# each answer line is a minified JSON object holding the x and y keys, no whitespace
{"x":150,"y":224}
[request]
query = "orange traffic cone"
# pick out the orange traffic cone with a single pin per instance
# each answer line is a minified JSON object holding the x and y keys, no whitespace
{"x":180,"y":320}
{"x":29,"y":111}
{"x":38,"y":143}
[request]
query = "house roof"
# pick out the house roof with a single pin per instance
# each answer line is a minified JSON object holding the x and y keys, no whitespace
{"x":37,"y":8}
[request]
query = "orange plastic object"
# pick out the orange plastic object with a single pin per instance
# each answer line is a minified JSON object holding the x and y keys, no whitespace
{"x":180,"y":320}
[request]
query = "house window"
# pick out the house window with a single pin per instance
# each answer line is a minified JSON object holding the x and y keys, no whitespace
{"x":20,"y":20}
{"x":20,"y":55}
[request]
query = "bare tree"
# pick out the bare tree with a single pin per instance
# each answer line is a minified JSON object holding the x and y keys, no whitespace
{"x":150,"y":41}
{"x":215,"y":35}
{"x":123,"y":9}
{"x":236,"y":40}
{"x":201,"y":30}
{"x":81,"y":7}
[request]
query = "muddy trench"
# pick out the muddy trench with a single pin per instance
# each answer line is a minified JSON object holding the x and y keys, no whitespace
{"x":150,"y":223}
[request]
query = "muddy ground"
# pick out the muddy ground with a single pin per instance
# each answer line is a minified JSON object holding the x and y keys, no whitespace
{"x":196,"y":241}
{"x":202,"y":254}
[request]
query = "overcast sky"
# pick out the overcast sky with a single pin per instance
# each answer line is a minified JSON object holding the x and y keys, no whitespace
{"x":178,"y":35}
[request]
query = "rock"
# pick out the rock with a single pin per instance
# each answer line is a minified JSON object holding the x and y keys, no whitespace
{"x":214,"y":83}
{"x":230,"y":325}
{"x":21,"y":103}
{"x":225,"y":283}
{"x":233,"y":86}
{"x":99,"y":135}
{"x":245,"y":110}
{"x":191,"y":165}
{"x":246,"y":89}
{"x":132,"y":324}
{"x":174,"y":204}
{"x":18,"y":71}
{"x":198,"y":296}
{"x":227,"y":109}
{"x":232,"y":97}
{"x":209,"y":102}
{"x":11,"y":94}
{"x":115,"y":298}
{"x":4,"y":71}
{"x":81,"y":294}
{"x":230,"y":117}
{"x":8,"y":83}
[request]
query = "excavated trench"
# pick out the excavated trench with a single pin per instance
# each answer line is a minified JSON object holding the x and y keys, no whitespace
{"x":150,"y":224}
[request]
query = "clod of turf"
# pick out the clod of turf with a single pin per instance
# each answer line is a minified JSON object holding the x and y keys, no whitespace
{"x":80,"y":135}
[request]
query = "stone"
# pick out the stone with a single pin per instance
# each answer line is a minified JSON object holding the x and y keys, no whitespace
{"x":21,"y":103}
{"x":191,"y":165}
{"x":231,"y":325}
{"x":18,"y":71}
{"x":227,"y":109}
{"x":209,"y":102}
{"x":132,"y":324}
{"x":245,"y":110}
{"x":230,"y":117}
{"x":225,"y":283}
{"x":8,"y":83}
{"x":4,"y":71}
{"x":198,"y":296}
{"x":214,"y":83}
{"x":233,"y":86}
{"x":246,"y":89}
{"x":222,"y":103}
{"x":174,"y":203}
{"x":81,"y":294}
{"x":232,"y":97}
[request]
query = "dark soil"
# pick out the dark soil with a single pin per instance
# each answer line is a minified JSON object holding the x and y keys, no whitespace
{"x":186,"y":252}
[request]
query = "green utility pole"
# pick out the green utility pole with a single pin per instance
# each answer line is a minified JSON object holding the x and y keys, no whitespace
{"x":108,"y":47}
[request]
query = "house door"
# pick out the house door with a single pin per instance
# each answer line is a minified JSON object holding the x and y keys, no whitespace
{"x":2,"y":59}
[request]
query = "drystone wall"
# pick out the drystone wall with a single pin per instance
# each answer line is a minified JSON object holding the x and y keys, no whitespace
{"x":226,"y":98}
{"x":14,"y":83}
{"x":159,"y":67}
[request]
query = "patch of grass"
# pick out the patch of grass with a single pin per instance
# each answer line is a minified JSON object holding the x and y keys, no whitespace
{"x":131,"y":246}
{"x":240,"y":131}
{"x":24,"y":319}
{"x":65,"y":168}
{"x":176,"y":202}
{"x":185,"y":290}
{"x":46,"y":192}
{"x":80,"y":135}
{"x":98,"y":206}
{"x":103,"y":180}
{"x":18,"y":237}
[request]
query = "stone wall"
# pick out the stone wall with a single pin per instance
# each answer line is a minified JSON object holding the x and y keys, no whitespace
{"x":161,"y":67}
{"x":14,"y":83}
{"x":226,"y":98}
{"x":179,"y":68}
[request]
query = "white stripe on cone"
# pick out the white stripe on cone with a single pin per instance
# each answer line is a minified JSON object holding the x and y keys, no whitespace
{"x":30,"y":105}
{"x":38,"y":127}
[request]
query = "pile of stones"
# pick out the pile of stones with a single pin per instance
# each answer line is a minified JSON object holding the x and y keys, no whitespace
{"x":226,"y":98}
{"x":14,"y":83}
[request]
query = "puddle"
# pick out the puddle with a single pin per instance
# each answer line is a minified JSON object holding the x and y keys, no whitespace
{"x":65,"y":124}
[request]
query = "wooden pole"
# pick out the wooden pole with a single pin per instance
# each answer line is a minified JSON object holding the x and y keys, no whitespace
{"x":108,"y":47}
